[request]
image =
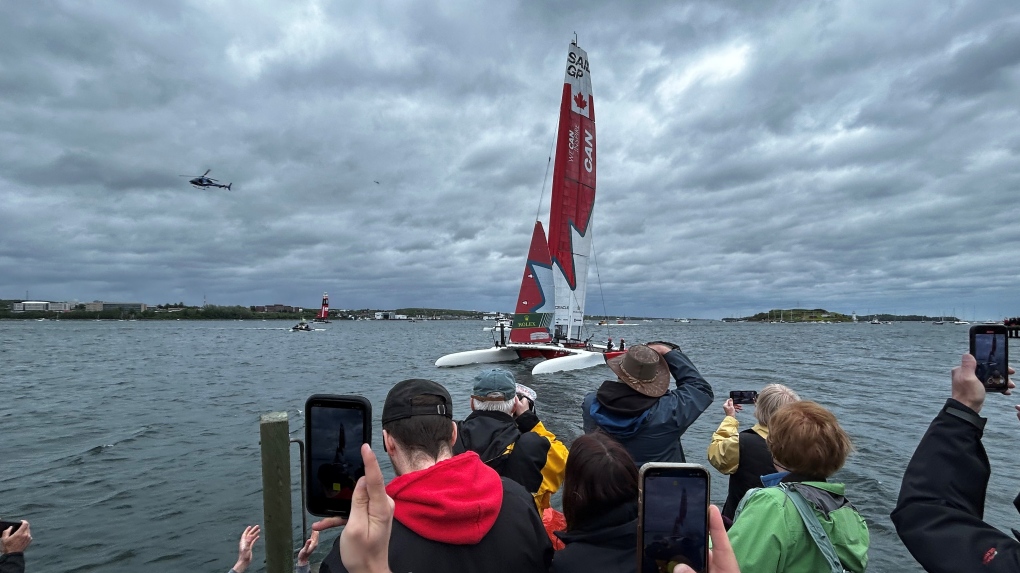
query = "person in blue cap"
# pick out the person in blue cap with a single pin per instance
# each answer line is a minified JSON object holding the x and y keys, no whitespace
{"x":504,"y":430}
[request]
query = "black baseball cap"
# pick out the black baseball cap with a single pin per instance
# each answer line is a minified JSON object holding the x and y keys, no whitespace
{"x":399,"y":405}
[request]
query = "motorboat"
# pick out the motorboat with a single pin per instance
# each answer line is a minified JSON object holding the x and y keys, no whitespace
{"x":302,"y":327}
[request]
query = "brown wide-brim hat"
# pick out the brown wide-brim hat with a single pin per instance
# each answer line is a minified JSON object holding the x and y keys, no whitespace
{"x":643,"y":369}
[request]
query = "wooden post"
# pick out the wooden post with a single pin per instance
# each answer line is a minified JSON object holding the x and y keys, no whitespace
{"x":277,"y":529}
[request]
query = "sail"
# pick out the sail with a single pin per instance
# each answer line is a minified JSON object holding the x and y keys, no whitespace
{"x":573,"y":195}
{"x":324,"y":311}
{"x":534,"y":314}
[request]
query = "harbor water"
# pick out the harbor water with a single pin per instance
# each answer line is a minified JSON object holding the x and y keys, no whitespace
{"x":133,"y":445}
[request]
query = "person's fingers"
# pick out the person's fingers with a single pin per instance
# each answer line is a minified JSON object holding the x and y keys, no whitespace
{"x":968,"y":363}
{"x":684,"y":569}
{"x":717,"y":529}
{"x":373,"y":473}
{"x":6,"y":533}
{"x":314,"y":539}
{"x":1011,"y":371}
{"x":329,"y":522}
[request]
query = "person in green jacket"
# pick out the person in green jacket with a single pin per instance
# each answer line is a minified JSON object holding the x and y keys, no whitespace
{"x":769,"y":534}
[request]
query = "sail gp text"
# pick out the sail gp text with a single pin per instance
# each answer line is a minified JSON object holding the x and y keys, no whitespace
{"x":576,"y":65}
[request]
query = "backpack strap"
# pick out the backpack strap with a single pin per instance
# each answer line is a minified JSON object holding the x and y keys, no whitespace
{"x":814,"y":527}
{"x":743,"y":500}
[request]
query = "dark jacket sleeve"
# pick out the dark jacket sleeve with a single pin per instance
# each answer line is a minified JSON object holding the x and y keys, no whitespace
{"x":693,"y":393}
{"x":938,"y":515}
{"x":12,"y":563}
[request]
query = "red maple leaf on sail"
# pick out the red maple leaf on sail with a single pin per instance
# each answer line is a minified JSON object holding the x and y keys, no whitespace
{"x":580,"y":102}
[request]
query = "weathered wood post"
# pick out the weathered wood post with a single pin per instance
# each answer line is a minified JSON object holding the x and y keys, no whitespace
{"x":278,"y":529}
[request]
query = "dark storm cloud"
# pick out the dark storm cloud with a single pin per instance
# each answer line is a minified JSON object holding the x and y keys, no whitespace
{"x":854,"y":155}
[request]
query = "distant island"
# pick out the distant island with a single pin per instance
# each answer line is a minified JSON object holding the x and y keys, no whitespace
{"x":822,"y":315}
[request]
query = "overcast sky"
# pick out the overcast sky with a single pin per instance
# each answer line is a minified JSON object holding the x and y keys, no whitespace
{"x":852,"y":155}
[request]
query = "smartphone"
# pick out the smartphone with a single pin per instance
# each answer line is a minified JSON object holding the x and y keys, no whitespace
{"x":989,"y":347}
{"x":744,"y":396}
{"x":335,"y":428}
{"x":672,"y":517}
{"x":5,"y":524}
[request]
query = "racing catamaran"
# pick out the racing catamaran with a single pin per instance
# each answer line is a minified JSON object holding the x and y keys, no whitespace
{"x":549,"y":316}
{"x":323,"y":315}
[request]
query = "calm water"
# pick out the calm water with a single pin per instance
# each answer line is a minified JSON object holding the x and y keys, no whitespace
{"x":132,"y":444}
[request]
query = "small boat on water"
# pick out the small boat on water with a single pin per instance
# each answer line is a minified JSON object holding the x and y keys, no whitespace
{"x":503,"y":322}
{"x":301,"y":327}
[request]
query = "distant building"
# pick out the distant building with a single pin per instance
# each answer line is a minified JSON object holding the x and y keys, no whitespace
{"x":389,"y":315}
{"x":277,"y":308}
{"x":100,"y":306}
{"x":37,"y":305}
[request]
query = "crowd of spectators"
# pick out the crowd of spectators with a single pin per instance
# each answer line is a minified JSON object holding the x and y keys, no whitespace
{"x":471,"y":495}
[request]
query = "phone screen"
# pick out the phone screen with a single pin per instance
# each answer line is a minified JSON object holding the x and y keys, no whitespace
{"x":335,"y":428}
{"x":674,"y":518}
{"x":744,"y":396}
{"x":989,"y":347}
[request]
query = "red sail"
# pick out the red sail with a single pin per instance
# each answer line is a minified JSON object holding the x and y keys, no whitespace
{"x":324,"y":311}
{"x":573,"y":193}
{"x":534,"y":313}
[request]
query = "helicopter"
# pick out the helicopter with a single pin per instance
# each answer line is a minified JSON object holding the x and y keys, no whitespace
{"x":203,"y":181}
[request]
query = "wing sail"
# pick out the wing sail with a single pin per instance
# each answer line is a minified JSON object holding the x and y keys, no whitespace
{"x":573,"y":194}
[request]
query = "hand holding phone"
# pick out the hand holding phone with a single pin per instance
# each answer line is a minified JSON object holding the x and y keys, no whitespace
{"x":672,"y":517}
{"x":6,"y":524}
{"x":989,"y":346}
{"x":335,"y":428}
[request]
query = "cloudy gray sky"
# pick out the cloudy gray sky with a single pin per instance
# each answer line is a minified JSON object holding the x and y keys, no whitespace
{"x":854,"y":155}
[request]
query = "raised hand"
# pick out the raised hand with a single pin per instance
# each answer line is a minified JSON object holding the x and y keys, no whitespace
{"x":244,"y":546}
{"x":365,"y":542}
{"x":721,"y":558}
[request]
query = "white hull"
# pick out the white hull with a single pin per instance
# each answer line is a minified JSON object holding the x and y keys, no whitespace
{"x":583,"y":359}
{"x":489,"y":355}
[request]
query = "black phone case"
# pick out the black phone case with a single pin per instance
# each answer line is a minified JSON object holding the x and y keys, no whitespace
{"x":324,"y":400}
{"x":992,"y":329}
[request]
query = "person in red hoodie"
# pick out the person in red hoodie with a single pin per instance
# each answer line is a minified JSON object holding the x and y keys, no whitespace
{"x":451,"y":513}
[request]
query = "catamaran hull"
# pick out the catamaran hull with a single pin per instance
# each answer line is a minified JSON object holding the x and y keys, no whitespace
{"x":555,"y":358}
{"x":570,"y":362}
{"x":486,"y":356}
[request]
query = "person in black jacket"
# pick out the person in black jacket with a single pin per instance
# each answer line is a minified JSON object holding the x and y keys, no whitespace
{"x":600,"y":494}
{"x":939,"y":512}
{"x":451,"y":512}
{"x":507,"y":434}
